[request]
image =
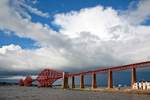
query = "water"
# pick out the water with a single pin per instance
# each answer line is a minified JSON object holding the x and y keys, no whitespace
{"x":33,"y":93}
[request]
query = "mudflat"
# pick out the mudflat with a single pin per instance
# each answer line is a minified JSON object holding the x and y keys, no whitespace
{"x":15,"y":92}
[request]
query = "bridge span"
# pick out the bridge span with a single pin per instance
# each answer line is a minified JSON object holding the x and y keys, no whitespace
{"x":47,"y":77}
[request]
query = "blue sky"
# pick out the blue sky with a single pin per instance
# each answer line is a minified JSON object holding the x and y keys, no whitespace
{"x":73,"y":34}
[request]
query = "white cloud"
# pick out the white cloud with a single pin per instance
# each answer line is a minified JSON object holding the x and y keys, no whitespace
{"x":13,"y":57}
{"x":12,"y":20}
{"x":140,"y":13}
{"x":87,"y":38}
{"x":34,"y":1}
{"x":11,"y":47}
{"x":21,"y":7}
{"x":97,"y":20}
{"x":36,"y":11}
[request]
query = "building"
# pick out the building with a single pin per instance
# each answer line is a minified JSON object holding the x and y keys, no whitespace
{"x":141,"y":85}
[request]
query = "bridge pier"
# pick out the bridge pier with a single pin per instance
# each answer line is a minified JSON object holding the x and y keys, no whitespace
{"x":65,"y":81}
{"x":81,"y":81}
{"x":73,"y":82}
{"x":133,"y":76}
{"x":94,"y":85}
{"x":110,"y":79}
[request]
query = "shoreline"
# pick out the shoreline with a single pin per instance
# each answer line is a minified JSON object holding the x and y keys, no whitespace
{"x":115,"y":90}
{"x":127,"y":90}
{"x":16,"y":92}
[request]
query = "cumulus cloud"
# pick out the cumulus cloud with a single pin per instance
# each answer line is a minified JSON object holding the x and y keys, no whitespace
{"x":88,"y":38}
{"x":96,"y":20}
{"x":114,"y":35}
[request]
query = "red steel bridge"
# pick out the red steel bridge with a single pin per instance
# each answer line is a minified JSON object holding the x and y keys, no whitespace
{"x":47,"y":77}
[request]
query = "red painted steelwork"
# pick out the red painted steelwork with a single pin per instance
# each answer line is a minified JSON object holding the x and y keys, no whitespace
{"x":47,"y":77}
{"x":21,"y":82}
{"x":130,"y":66}
{"x":28,"y":81}
{"x":118,"y":68}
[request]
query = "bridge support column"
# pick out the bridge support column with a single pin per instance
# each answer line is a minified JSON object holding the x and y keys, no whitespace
{"x":110,"y":79}
{"x":73,"y":82}
{"x":94,"y":85}
{"x":133,"y":76}
{"x":81,"y":81}
{"x":65,"y":81}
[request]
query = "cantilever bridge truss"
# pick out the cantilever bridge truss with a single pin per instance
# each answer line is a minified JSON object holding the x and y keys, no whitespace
{"x":48,"y":76}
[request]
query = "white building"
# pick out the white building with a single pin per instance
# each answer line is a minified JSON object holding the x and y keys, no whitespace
{"x":141,"y":85}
